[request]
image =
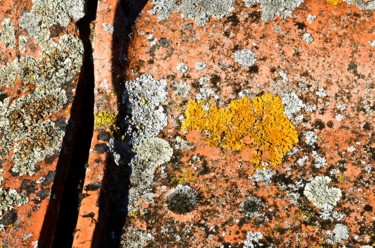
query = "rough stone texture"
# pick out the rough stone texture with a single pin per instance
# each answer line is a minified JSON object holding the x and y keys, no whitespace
{"x":325,"y":86}
{"x":37,"y":78}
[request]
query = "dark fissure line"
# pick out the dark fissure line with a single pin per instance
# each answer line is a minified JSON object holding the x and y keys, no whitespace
{"x":115,"y":192}
{"x":62,"y":212}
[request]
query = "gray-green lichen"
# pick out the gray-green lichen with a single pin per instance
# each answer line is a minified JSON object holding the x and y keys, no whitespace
{"x":182,"y":199}
{"x":245,"y":57}
{"x":35,"y":146}
{"x":48,"y":13}
{"x":57,"y":65}
{"x":150,"y":153}
{"x":9,"y":198}
{"x":7,"y":34}
{"x":318,"y":192}
{"x":51,"y":12}
{"x":23,"y":40}
{"x":271,"y":8}
{"x":135,"y":238}
{"x":8,"y":73}
{"x":363,"y":4}
{"x":199,"y":10}
{"x":143,"y":97}
{"x":154,"y":150}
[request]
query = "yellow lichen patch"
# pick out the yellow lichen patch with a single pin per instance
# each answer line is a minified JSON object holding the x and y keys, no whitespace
{"x":334,"y":2}
{"x":104,"y":119}
{"x":259,"y":124}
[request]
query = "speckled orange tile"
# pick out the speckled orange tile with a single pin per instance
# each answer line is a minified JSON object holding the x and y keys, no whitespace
{"x":319,"y":62}
{"x":40,"y":59}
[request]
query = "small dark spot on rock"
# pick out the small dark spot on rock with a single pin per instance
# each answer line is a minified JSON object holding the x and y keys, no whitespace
{"x":97,"y":160}
{"x":83,"y":196}
{"x":236,"y":48}
{"x":89,"y":215}
{"x":43,"y":193}
{"x":254,"y":69}
{"x":300,"y":25}
{"x":203,"y":170}
{"x":319,"y":124}
{"x":227,"y":33}
{"x":92,"y":186}
{"x":171,"y":77}
{"x":352,"y":66}
{"x":14,"y":174}
{"x":56,"y":30}
{"x":3,"y":96}
{"x":28,"y":186}
{"x":164,"y":42}
{"x":242,"y":221}
{"x":372,"y":153}
{"x":61,"y":123}
{"x":272,"y":69}
{"x":215,"y":79}
{"x":330,"y":124}
{"x":233,"y":19}
{"x":9,"y":218}
{"x":150,"y":62}
{"x":49,"y":177}
{"x":103,"y":135}
{"x":367,"y":126}
{"x":368,"y":208}
{"x":226,"y":245}
{"x":101,"y":148}
{"x":255,"y":16}
{"x":50,"y":159}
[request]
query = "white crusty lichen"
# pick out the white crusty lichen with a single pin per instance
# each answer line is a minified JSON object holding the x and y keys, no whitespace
{"x":51,"y":12}
{"x":318,"y":192}
{"x":252,"y":239}
{"x":319,"y":161}
{"x":245,"y":57}
{"x":23,"y":127}
{"x":23,"y":40}
{"x":108,"y":28}
{"x":9,"y":73}
{"x":182,"y":89}
{"x":150,"y":153}
{"x":7,"y":33}
{"x":263,"y":175}
{"x":340,"y":233}
{"x":310,"y":138}
{"x":153,"y":150}
{"x":310,"y":18}
{"x":307,"y":37}
{"x":271,"y":8}
{"x":135,"y":238}
{"x":362,"y":4}
{"x":200,"y":65}
{"x":145,"y":116}
{"x":9,"y":198}
{"x":76,"y":8}
{"x":48,"y":13}
{"x":292,"y":104}
{"x":182,"y":68}
{"x":199,"y":10}
{"x":34,"y":146}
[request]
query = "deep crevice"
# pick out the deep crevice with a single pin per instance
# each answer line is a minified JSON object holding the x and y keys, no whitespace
{"x":62,"y":212}
{"x":114,"y":194}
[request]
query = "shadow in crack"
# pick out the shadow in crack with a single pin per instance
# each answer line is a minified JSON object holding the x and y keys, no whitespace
{"x":62,"y":212}
{"x":115,"y":191}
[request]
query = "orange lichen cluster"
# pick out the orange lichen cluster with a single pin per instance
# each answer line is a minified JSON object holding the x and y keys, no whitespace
{"x":259,"y":125}
{"x":334,"y":2}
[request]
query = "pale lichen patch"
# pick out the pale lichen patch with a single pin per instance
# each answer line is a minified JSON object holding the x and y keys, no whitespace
{"x":7,"y":34}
